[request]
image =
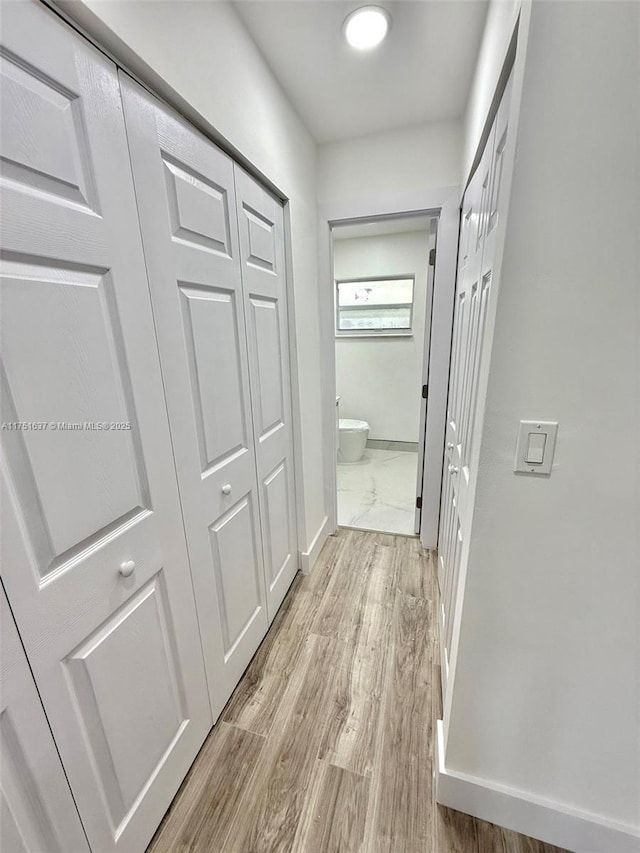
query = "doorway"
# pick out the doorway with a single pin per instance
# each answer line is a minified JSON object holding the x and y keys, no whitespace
{"x":383,"y":298}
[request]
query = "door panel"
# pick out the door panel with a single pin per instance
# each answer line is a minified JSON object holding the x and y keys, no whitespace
{"x":88,"y":480}
{"x":37,"y":810}
{"x":480,"y":211}
{"x":277,"y":528}
{"x":211,"y":327}
{"x":132,"y":653}
{"x":73,"y":316}
{"x":186,"y":201}
{"x":267,"y":385}
{"x":234,"y":545}
{"x":197,"y":208}
{"x":261,"y":227}
{"x":35,"y":108}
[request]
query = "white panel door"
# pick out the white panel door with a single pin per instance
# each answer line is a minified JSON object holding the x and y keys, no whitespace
{"x":38,"y":814}
{"x":480,"y":210}
{"x":186,"y":200}
{"x":451,"y":531}
{"x":261,"y":225}
{"x":93,"y":553}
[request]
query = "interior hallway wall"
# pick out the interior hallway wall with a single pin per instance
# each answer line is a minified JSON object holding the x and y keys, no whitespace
{"x":395,"y":162}
{"x":499,"y":25}
{"x":546,"y":696}
{"x":379,"y":378}
{"x":201,"y":53}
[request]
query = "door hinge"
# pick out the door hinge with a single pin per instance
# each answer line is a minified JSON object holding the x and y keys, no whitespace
{"x":432,"y":257}
{"x":425,"y":391}
{"x":419,"y":502}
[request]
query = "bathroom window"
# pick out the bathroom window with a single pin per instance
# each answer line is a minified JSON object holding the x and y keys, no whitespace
{"x":374,"y":306}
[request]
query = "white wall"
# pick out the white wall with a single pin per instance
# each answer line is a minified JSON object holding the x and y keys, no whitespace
{"x":546,"y":696}
{"x":415,"y":168}
{"x":199,"y":54}
{"x":379,"y":379}
{"x":411,"y":159}
{"x":501,"y":19}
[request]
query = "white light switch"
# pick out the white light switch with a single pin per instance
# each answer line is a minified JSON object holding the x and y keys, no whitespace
{"x":536,"y":446}
{"x":535,"y":450}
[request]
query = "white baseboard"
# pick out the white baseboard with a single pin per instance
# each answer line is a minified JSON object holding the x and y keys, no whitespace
{"x":308,"y":558}
{"x":551,"y":822}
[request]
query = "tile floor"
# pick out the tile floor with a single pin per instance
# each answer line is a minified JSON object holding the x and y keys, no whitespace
{"x":379,"y":492}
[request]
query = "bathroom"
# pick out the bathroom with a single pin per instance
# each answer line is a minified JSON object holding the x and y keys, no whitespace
{"x":383,"y":308}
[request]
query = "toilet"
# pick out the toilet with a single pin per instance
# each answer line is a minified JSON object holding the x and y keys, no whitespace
{"x":352,"y":439}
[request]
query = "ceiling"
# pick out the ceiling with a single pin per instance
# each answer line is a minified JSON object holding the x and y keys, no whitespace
{"x":380,"y":227}
{"x":422,"y":71}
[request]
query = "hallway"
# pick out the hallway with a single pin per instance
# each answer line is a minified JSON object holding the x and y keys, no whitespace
{"x":327,"y":742}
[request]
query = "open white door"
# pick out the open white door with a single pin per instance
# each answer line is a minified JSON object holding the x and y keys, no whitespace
{"x":93,"y":552}
{"x":431,"y":261}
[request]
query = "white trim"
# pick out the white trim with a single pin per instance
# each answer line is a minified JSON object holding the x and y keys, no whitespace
{"x":328,"y":391}
{"x":549,"y":821}
{"x":439,"y":354}
{"x":434,"y":202}
{"x":308,"y":557}
{"x":294,"y":375}
{"x":424,"y":376}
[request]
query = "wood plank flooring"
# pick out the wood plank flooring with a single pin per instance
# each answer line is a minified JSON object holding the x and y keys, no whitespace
{"x":326,"y":745}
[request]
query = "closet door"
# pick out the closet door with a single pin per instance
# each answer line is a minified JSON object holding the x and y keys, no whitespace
{"x":261,"y":224}
{"x":187,"y":207}
{"x":93,"y":554}
{"x":463,"y":351}
{"x":37,"y":812}
{"x":480,"y":211}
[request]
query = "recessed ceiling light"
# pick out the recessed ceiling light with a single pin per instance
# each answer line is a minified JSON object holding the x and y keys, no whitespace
{"x":366,"y":27}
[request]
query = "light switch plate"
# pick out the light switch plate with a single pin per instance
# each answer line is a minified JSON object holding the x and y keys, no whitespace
{"x":549,"y":429}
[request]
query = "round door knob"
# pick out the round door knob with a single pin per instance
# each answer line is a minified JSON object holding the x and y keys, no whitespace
{"x":127,"y":568}
{"x":226,"y":489}
{"x":449,"y":445}
{"x":452,"y":469}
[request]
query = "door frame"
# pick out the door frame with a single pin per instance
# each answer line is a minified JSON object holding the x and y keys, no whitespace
{"x":441,"y":202}
{"x":434,"y":224}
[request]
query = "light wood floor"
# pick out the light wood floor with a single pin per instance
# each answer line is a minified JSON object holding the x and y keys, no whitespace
{"x":326,"y":745}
